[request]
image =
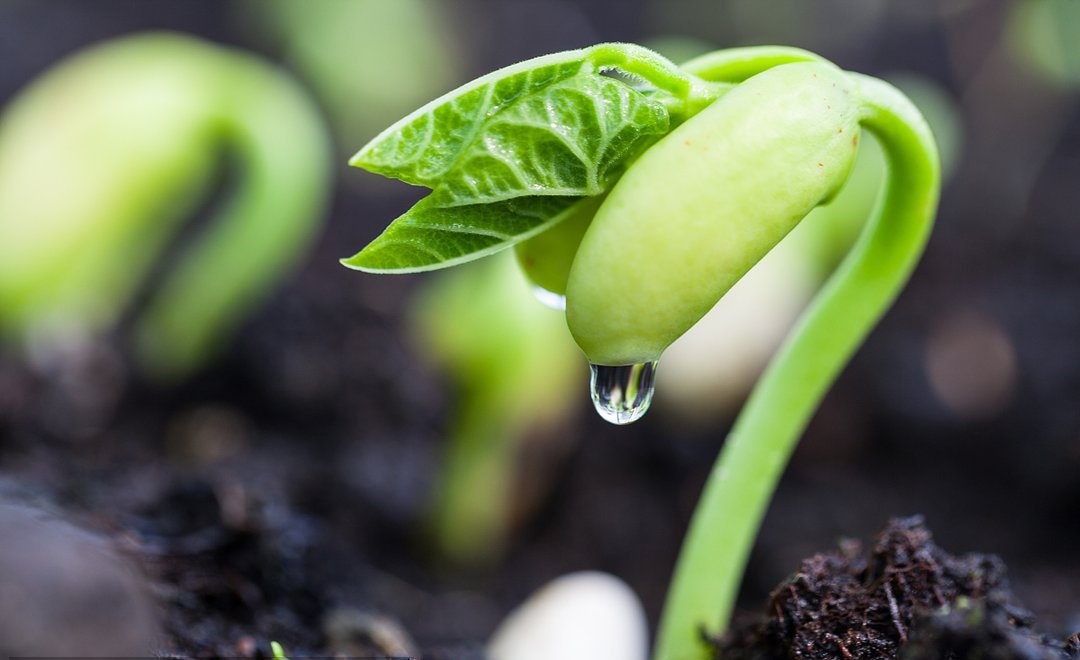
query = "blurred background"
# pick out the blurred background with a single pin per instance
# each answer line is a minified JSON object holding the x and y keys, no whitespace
{"x":290,"y":450}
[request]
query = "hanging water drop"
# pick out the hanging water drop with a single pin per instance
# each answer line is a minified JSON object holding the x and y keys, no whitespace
{"x":622,"y":394}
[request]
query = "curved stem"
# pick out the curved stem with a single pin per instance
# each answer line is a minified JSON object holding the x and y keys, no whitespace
{"x":738,"y":491}
{"x":734,"y":65}
{"x":640,"y":61}
{"x":284,"y":155}
{"x":690,"y":93}
{"x":720,"y":70}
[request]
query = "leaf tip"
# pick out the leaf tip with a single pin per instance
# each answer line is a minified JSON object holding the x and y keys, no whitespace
{"x":373,"y":262}
{"x":359,"y":159}
{"x":357,"y":261}
{"x":349,"y":262}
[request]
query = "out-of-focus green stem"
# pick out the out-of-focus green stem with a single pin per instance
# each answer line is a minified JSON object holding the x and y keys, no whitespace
{"x":104,"y":155}
{"x":284,"y":156}
{"x":742,"y":483}
{"x":472,"y":509}
{"x":514,"y":369}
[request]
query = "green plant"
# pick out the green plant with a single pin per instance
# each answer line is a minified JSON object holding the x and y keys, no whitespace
{"x":1044,"y":34}
{"x":277,"y":651}
{"x":103,"y":156}
{"x":513,"y":366}
{"x":705,"y":168}
{"x":399,"y":54}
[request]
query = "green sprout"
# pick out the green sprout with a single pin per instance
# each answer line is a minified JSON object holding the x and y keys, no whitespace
{"x":399,"y":53}
{"x":702,"y":170}
{"x":513,"y":365}
{"x":1044,"y":34}
{"x":277,"y":651}
{"x":104,"y":156}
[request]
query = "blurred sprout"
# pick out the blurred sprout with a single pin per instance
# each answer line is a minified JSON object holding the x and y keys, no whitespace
{"x":101,"y":159}
{"x":745,"y":328}
{"x":516,"y":370}
{"x":1046,"y":33}
{"x":277,"y":651}
{"x":370,"y":61}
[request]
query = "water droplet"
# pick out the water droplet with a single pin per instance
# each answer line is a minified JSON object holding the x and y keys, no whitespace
{"x":549,"y":298}
{"x":622,"y":394}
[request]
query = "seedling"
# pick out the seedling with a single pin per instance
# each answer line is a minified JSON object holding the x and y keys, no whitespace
{"x":704,"y":168}
{"x":104,"y":156}
{"x":513,"y":368}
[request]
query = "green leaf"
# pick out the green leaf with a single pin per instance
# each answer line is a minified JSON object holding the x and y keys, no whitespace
{"x":429,"y":237}
{"x":551,"y":128}
{"x":421,"y":148}
{"x":508,"y":153}
{"x":572,"y":139}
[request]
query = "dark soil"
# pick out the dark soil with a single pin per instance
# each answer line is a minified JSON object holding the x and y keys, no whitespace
{"x":905,"y":598}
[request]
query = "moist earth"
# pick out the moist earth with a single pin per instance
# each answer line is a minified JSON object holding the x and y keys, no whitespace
{"x":904,"y":598}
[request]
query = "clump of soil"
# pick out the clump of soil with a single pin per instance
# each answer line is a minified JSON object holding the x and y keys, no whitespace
{"x":907,"y":598}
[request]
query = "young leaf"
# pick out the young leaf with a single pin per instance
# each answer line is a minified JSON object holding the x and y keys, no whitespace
{"x":506,"y":155}
{"x":553,"y":125}
{"x":430,"y":236}
{"x":572,"y":138}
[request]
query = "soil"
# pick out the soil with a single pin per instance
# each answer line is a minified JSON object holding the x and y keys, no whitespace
{"x":904,"y":598}
{"x":279,"y":494}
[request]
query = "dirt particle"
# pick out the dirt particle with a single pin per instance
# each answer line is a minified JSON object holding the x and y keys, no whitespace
{"x":905,"y":598}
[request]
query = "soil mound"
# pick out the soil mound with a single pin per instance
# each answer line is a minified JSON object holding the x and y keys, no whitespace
{"x":905,"y":598}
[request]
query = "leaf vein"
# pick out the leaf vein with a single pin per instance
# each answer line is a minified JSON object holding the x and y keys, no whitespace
{"x":467,"y":230}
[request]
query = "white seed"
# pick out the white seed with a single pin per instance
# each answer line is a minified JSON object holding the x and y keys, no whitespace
{"x":580,"y":616}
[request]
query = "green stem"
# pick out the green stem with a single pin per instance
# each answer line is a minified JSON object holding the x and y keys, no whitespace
{"x":284,"y":155}
{"x":690,"y":93}
{"x":720,"y":70}
{"x":640,"y":61}
{"x":742,"y":483}
{"x":734,"y":65}
{"x":471,"y":513}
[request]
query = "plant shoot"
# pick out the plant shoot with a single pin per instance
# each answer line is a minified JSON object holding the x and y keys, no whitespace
{"x":661,"y":186}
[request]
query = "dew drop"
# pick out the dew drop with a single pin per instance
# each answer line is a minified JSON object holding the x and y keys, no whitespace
{"x":549,"y":298}
{"x":622,"y":394}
